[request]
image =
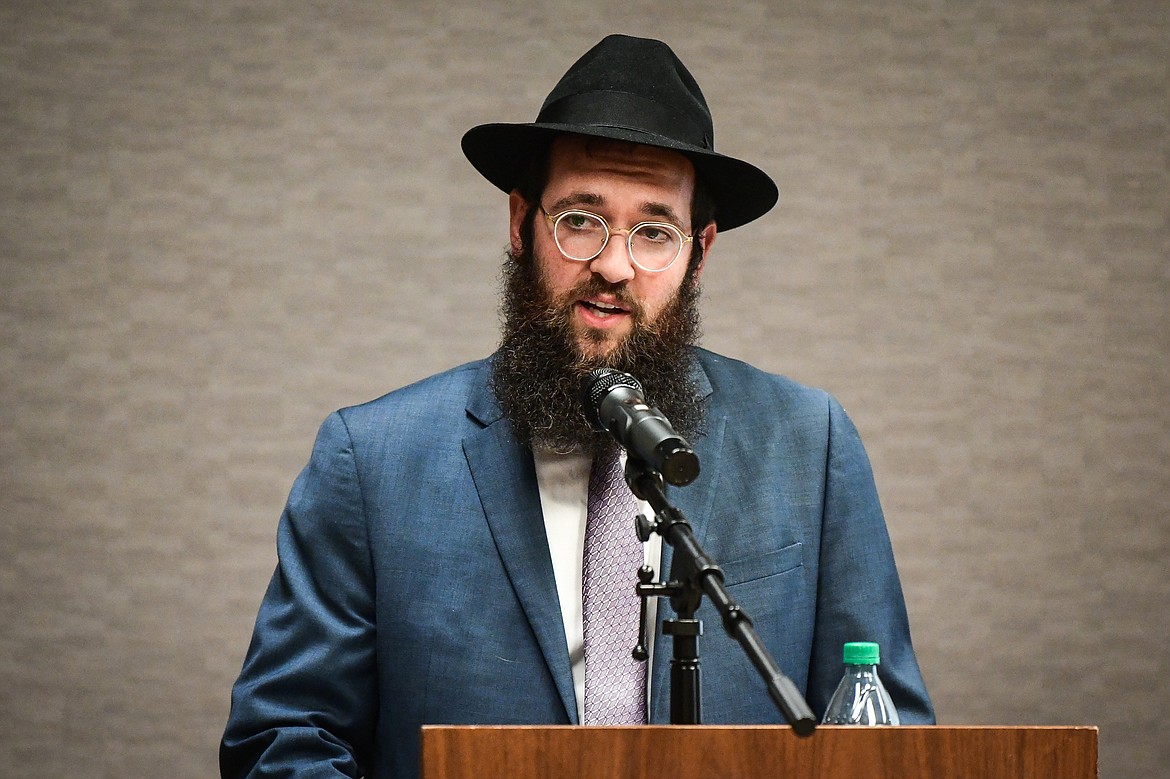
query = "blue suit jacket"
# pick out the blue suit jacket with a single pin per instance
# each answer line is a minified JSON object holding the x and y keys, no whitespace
{"x":415,"y":586}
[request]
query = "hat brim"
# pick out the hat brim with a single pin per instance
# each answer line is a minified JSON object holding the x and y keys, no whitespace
{"x":741,"y":191}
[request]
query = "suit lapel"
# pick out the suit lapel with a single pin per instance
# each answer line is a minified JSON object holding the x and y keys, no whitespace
{"x":505,"y":479}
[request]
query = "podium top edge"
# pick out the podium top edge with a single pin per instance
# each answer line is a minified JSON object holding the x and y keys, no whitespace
{"x":432,"y":727}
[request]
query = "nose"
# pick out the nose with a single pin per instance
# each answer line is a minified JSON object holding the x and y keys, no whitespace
{"x":614,"y":263}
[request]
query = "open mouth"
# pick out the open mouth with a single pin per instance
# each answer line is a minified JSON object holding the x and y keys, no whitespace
{"x":603,"y":310}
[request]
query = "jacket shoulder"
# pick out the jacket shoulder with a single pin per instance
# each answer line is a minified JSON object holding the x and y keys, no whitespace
{"x":737,"y":384}
{"x":440,"y":395}
{"x":435,"y":411}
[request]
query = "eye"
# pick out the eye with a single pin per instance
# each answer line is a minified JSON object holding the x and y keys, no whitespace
{"x":655,"y":234}
{"x":579,"y":221}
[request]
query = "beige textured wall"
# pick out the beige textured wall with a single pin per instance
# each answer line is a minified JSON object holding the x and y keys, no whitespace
{"x":221,"y":220}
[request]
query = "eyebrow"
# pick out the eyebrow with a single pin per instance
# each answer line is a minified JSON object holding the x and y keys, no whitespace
{"x":577,"y":199}
{"x":662,"y":211}
{"x":649,"y":208}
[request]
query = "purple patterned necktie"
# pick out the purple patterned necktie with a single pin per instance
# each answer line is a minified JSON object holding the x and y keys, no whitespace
{"x":615,"y":683}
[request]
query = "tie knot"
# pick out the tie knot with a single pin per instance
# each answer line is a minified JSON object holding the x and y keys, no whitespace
{"x":608,"y":457}
{"x":606,"y":476}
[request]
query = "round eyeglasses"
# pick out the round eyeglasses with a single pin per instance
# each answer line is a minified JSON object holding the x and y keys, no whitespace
{"x":582,"y":235}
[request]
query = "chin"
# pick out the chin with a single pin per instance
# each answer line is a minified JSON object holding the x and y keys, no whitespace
{"x":593,"y":345}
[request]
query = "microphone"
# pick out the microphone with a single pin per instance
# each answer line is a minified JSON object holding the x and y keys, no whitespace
{"x":613,"y":402}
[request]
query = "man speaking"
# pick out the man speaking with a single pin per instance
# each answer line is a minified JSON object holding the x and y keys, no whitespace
{"x":463,"y":550}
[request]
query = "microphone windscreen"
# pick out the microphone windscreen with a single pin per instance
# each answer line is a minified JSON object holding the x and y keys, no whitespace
{"x":597,"y":385}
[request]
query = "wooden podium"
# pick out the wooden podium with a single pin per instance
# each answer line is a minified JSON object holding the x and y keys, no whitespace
{"x":694,"y":751}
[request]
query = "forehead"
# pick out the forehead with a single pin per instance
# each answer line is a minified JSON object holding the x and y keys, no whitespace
{"x":610,"y":169}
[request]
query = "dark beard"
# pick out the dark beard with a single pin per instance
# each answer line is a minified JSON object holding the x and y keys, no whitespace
{"x":539,"y":370}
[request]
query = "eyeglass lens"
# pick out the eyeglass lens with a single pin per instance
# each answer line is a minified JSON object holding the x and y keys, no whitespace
{"x":582,"y":236}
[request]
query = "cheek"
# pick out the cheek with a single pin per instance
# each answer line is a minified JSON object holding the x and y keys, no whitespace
{"x":659,"y":290}
{"x":557,"y":275}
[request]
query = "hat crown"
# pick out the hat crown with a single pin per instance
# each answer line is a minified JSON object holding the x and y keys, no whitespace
{"x":634,"y":90}
{"x":635,"y":84}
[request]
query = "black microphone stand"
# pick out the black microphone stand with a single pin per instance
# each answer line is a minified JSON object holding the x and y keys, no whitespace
{"x":698,"y":574}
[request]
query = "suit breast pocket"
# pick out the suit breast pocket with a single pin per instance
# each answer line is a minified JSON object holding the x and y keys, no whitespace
{"x":750,"y":569}
{"x":765,"y":584}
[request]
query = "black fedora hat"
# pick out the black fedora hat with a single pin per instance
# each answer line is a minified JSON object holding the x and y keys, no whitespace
{"x":629,"y":89}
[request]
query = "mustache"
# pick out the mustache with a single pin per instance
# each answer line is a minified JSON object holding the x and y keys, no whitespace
{"x":596,"y":286}
{"x":536,"y":306}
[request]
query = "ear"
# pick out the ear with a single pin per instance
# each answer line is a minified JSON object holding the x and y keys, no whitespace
{"x":706,"y":239}
{"x":517,"y":210}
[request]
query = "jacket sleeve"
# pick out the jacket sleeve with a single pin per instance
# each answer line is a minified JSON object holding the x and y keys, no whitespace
{"x":859,"y":592}
{"x":305,"y":702}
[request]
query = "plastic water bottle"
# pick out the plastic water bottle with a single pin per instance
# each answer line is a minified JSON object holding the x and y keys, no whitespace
{"x":861,"y":699}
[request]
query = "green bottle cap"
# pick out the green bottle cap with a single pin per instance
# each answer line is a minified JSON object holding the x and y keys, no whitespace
{"x":861,"y":653}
